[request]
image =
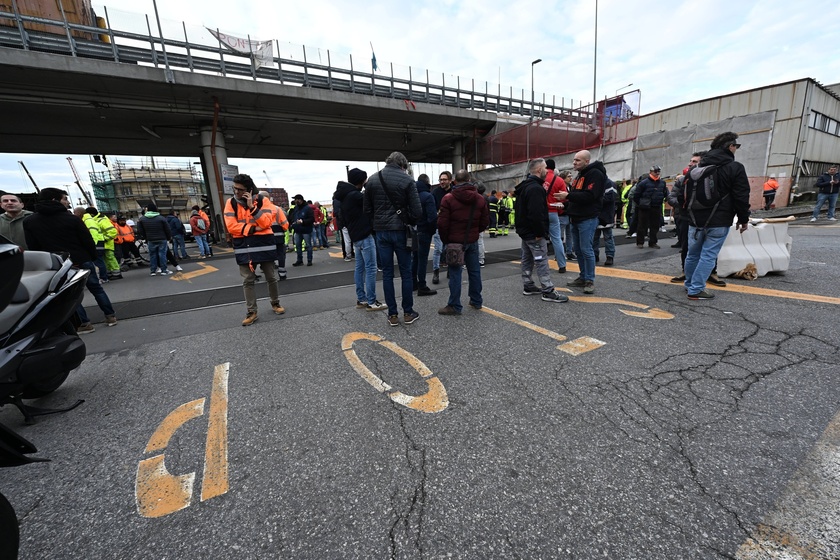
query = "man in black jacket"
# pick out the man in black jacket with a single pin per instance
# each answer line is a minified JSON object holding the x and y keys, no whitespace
{"x":585,"y":198}
{"x":426,"y":229}
{"x":155,"y":230}
{"x":828,"y":186}
{"x":360,"y":234}
{"x":52,"y":228}
{"x":531,"y":219}
{"x":709,"y":226}
{"x":650,"y":193}
{"x":394,"y":183}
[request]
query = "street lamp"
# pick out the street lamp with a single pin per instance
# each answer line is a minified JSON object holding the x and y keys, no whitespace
{"x":531,"y":119}
{"x":621,"y":88}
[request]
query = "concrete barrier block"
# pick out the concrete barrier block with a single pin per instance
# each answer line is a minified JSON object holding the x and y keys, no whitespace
{"x":767,"y":245}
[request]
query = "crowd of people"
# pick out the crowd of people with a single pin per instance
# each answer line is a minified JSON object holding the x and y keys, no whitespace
{"x":389,"y":218}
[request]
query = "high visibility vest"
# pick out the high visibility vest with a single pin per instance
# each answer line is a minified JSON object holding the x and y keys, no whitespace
{"x":93,"y":229}
{"x":249,"y":245}
{"x":125,"y":234}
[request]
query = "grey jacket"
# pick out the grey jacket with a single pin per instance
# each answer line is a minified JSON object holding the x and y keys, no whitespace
{"x":377,"y":205}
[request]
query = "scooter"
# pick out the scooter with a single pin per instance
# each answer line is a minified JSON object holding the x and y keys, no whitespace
{"x":39,"y":346}
{"x":39,"y":293}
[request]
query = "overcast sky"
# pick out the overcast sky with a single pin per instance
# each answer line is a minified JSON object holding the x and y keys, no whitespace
{"x":674,"y":52}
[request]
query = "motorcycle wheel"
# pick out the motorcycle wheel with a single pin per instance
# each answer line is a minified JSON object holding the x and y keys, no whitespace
{"x":9,"y":530}
{"x":44,"y":388}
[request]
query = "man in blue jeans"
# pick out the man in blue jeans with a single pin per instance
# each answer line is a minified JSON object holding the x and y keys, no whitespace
{"x":708,"y":227}
{"x":584,"y":204}
{"x":393,"y":183}
{"x":463,"y":216}
{"x":828,"y":186}
{"x":155,"y":230}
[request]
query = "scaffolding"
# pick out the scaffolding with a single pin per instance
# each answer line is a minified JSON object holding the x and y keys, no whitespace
{"x":129,"y":186}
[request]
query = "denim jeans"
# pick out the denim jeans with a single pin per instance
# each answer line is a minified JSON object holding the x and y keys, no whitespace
{"x":438,"y":251}
{"x":389,"y":243}
{"x":481,"y":253}
{"x":473,"y":277}
{"x":535,"y":253}
{"x":178,"y":246}
{"x":555,"y":233}
{"x":203,"y":246}
{"x":100,"y":263}
{"x":157,"y":255}
{"x":299,"y":239}
{"x":97,"y":291}
{"x":609,"y":241}
{"x":583,"y":233}
{"x":703,"y":248}
{"x":832,"y":202}
{"x":420,"y":259}
{"x":322,"y":236}
{"x":365,"y":274}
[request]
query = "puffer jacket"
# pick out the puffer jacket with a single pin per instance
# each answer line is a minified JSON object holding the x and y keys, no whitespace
{"x":153,"y":227}
{"x":650,"y":193}
{"x":735,"y":190}
{"x":454,"y":215}
{"x":428,"y":222}
{"x":377,"y":205}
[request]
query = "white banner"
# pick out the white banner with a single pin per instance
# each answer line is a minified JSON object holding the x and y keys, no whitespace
{"x":262,"y":51}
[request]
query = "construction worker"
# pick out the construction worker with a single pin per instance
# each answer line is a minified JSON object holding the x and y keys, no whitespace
{"x":98,"y":240}
{"x":505,"y":210}
{"x":109,"y":233}
{"x":125,"y":241}
{"x":280,"y":227}
{"x":248,"y":218}
{"x":493,"y":206}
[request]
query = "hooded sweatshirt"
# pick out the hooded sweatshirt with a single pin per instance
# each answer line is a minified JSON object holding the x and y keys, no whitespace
{"x":734,"y":189}
{"x":587,"y":192}
{"x":153,"y":227}
{"x":531,"y":209}
{"x":52,"y":228}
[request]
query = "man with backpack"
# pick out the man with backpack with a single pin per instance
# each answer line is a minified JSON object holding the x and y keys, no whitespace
{"x":716,"y":191}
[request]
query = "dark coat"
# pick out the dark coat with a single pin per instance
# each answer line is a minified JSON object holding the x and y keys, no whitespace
{"x":531,"y":209}
{"x":650,"y":193}
{"x":306,"y":214}
{"x":378,"y":207}
{"x":354,"y":217}
{"x":586,"y":192}
{"x":824,"y":183}
{"x":607,"y":216}
{"x":176,"y":226}
{"x":454,"y":215}
{"x":52,"y":228}
{"x":734,"y":188}
{"x":341,"y":190}
{"x":153,"y":228}
{"x":428,"y":222}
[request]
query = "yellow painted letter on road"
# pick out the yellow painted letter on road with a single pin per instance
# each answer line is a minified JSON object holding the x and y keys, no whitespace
{"x":434,"y":400}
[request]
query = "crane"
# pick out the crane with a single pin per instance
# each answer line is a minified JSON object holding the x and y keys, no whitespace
{"x":34,"y":184}
{"x":270,"y":184}
{"x":79,"y":182}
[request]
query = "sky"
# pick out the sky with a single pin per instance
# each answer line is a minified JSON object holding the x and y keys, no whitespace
{"x":672,"y":51}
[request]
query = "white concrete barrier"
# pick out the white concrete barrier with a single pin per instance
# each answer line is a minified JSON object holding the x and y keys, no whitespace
{"x":766,"y":244}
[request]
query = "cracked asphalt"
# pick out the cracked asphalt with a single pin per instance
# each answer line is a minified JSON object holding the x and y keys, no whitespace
{"x":714,"y":434}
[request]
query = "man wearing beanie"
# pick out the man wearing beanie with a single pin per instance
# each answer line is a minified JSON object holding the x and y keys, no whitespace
{"x":360,"y":233}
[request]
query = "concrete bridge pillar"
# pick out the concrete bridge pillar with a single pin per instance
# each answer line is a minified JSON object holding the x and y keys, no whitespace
{"x":458,"y":160}
{"x":213,"y":176}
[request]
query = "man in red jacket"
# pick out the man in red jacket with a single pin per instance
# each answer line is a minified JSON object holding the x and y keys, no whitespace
{"x":463,"y":215}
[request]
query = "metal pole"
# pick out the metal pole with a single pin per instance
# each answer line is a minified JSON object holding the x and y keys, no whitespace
{"x":24,"y":37}
{"x":595,"y":71}
{"x":531,"y":118}
{"x":170,"y":77}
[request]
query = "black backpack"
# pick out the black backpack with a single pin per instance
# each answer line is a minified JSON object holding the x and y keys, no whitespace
{"x":702,"y":191}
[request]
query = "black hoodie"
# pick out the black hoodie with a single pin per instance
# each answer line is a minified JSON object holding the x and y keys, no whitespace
{"x":531,"y":209}
{"x":587,"y":192}
{"x":341,"y":190}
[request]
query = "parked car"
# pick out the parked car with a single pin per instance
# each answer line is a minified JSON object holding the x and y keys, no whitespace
{"x":188,"y":236}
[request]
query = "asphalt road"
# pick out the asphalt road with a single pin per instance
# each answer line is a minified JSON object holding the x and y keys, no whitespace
{"x":631,"y":424}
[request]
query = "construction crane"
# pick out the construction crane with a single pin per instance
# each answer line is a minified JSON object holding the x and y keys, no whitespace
{"x":34,"y":184}
{"x":270,"y":184}
{"x":79,"y":182}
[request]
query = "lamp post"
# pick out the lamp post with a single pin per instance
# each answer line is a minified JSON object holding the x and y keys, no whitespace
{"x":531,"y":119}
{"x":621,"y":88}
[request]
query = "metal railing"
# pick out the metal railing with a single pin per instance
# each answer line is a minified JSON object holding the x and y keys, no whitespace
{"x":131,"y":47}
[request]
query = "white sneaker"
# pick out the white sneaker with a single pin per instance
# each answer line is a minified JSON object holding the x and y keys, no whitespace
{"x":832,"y":219}
{"x":178,"y":268}
{"x":157,"y":271}
{"x":167,"y":273}
{"x":813,"y":219}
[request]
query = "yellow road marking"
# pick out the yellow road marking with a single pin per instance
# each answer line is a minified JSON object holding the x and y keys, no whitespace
{"x":160,"y":493}
{"x":206,"y":269}
{"x":581,"y":345}
{"x":175,"y":419}
{"x":736,"y":288}
{"x":215,"y":482}
{"x":648,"y":313}
{"x":434,"y":400}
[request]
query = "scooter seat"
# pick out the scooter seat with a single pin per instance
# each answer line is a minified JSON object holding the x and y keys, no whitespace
{"x":38,"y":271}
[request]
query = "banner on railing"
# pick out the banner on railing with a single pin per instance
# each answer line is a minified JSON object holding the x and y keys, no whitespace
{"x":262,"y":51}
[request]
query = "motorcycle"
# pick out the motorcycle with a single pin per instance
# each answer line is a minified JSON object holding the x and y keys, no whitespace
{"x":39,"y":347}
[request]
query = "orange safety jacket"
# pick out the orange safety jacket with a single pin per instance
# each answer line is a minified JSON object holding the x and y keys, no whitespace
{"x":279,"y":227}
{"x":250,"y":228}
{"x":125,"y":234}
